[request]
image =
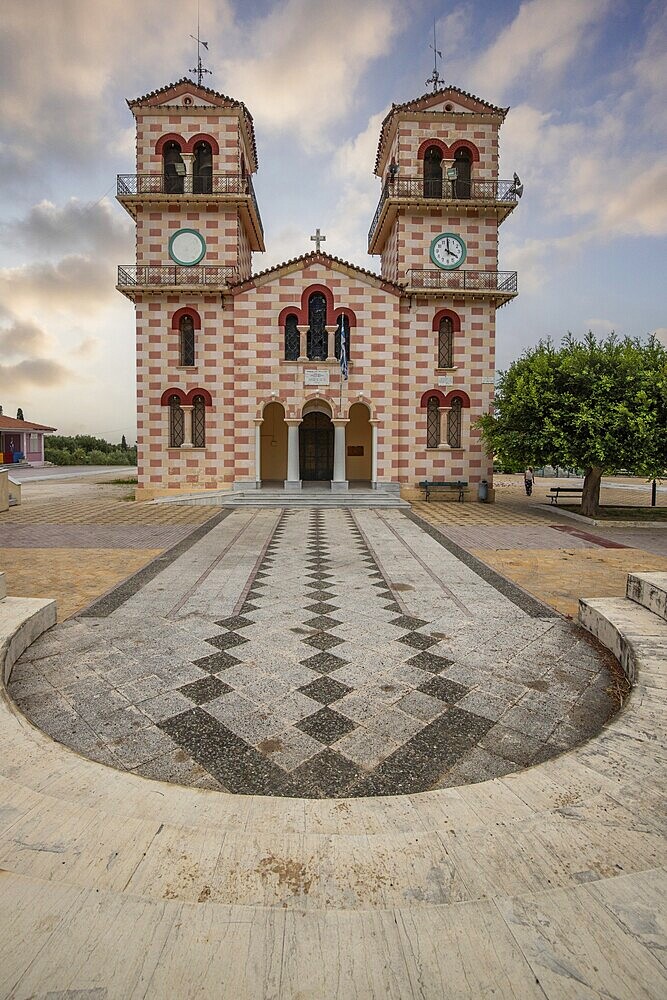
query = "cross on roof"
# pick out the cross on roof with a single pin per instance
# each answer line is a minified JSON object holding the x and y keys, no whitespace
{"x":317,"y":239}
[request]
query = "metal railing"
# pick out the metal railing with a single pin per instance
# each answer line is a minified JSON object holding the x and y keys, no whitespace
{"x":130,"y":275}
{"x":449,"y":190}
{"x":214,"y":184}
{"x":470,"y":281}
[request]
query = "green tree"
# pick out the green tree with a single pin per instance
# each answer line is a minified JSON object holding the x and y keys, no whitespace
{"x":19,"y":414}
{"x":597,"y":405}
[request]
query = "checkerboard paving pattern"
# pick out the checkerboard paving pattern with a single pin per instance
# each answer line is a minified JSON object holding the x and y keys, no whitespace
{"x":317,"y":682}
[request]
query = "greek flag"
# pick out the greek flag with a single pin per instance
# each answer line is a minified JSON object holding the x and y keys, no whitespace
{"x":343,"y":349}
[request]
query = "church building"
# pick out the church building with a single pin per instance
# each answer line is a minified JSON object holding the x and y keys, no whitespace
{"x":239,"y":376}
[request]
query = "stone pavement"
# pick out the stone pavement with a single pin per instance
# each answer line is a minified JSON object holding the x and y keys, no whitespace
{"x":316,"y":653}
{"x":72,"y":540}
{"x":556,"y":558}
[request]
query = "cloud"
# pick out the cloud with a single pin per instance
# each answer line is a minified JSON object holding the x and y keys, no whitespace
{"x":23,"y":338}
{"x":86,"y":348}
{"x":74,"y":282}
{"x":307,"y":58}
{"x":97,"y":228}
{"x":542,"y":40}
{"x":36,"y":373}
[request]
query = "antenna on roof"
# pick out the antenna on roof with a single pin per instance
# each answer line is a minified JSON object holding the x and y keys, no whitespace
{"x":199,"y":70}
{"x":434,"y":78}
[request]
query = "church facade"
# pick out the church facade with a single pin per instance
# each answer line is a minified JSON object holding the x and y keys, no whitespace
{"x":239,"y":375}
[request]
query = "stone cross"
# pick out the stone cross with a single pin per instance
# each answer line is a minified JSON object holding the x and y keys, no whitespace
{"x":317,"y":239}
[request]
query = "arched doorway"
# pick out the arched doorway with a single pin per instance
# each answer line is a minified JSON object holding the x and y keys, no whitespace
{"x":358,"y":445}
{"x":273,"y":444}
{"x":316,"y":447}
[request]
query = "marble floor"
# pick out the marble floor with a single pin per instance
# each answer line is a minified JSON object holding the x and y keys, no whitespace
{"x":316,"y":653}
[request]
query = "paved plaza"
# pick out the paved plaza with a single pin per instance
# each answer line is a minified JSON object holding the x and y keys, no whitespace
{"x":316,"y":653}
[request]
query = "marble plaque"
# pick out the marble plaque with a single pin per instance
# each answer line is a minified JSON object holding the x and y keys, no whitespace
{"x":315,"y":376}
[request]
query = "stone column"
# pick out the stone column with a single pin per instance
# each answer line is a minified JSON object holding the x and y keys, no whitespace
{"x":374,"y":455}
{"x":188,"y":428}
{"x":293,"y":482}
{"x":339,"y":482}
{"x":303,"y":344}
{"x":331,"y":342}
{"x":188,"y":160}
{"x":444,"y":412}
{"x":258,"y":452}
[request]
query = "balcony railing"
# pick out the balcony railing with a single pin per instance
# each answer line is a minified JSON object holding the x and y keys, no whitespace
{"x":146,"y":275}
{"x":503,"y":282}
{"x":450,"y":190}
{"x":215,"y":184}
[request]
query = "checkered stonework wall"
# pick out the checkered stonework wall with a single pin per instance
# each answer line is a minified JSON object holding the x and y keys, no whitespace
{"x":447,"y":128}
{"x":240,"y":361}
{"x":222,"y":126}
{"x":219,"y":227}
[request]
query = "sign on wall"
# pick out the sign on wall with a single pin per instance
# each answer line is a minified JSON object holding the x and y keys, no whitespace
{"x":445,"y":380}
{"x":315,"y":376}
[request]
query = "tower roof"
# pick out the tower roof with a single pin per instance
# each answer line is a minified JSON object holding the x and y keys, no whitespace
{"x":428,"y":102}
{"x":161,"y":96}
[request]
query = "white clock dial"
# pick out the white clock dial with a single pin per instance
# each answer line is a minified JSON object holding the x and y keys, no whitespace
{"x":448,"y":251}
{"x":187,"y":247}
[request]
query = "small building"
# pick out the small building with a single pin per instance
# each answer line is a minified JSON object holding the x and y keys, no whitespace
{"x":22,"y":440}
{"x":240,"y":380}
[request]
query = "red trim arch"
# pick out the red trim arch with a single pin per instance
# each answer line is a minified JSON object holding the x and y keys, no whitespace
{"x":289,"y":311}
{"x":301,"y":312}
{"x":307,"y":292}
{"x":433,"y":392}
{"x":457,"y":394}
{"x":186,"y":311}
{"x":427,"y":143}
{"x":447,"y":314}
{"x":168,"y":393}
{"x":170,"y":137}
{"x":349,"y":314}
{"x":464,"y":144}
{"x":190,"y":398}
{"x":202,"y":137}
{"x":186,"y":398}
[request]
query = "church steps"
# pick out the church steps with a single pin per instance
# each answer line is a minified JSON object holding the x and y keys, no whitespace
{"x":290,"y":498}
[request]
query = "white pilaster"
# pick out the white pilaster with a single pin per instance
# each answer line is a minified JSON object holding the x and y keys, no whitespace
{"x":188,"y":160}
{"x":258,"y":452}
{"x":293,"y":481}
{"x":339,"y":482}
{"x":374,"y":455}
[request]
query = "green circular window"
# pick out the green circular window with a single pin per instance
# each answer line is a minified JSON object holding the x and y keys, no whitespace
{"x":187,"y":247}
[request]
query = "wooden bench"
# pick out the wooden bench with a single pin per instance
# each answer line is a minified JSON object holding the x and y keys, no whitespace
{"x":557,"y":491}
{"x":437,"y":487}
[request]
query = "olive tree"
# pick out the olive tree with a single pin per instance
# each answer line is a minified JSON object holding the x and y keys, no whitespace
{"x":597,"y":405}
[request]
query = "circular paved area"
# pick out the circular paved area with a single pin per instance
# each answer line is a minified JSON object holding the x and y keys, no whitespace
{"x":316,"y":653}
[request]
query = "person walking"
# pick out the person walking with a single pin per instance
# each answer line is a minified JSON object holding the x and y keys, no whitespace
{"x":529,"y":479}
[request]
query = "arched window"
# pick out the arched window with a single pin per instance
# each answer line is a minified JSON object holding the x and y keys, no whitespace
{"x":433,"y":172}
{"x":317,"y":327}
{"x":198,"y":422}
{"x":173,"y":168}
{"x":292,"y":338}
{"x":445,"y":343}
{"x":186,"y":329}
{"x":432,"y":422}
{"x":463,"y":164}
{"x":342,"y":319}
{"x":176,"y":423}
{"x":202,"y":169}
{"x":454,"y":424}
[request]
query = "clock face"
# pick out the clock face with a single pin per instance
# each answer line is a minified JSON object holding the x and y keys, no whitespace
{"x":448,"y":251}
{"x":187,"y":247}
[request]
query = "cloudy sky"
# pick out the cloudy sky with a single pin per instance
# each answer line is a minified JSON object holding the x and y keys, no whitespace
{"x":585,"y":80}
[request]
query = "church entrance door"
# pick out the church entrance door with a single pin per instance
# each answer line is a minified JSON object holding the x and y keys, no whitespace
{"x":316,"y":447}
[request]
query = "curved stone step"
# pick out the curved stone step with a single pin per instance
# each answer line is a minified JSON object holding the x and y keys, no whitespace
{"x":649,"y":590}
{"x":635,"y":636}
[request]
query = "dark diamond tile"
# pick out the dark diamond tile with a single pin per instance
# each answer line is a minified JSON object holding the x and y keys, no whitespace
{"x":217,"y":662}
{"x":403,"y":772}
{"x":440,"y":687}
{"x":205,"y":689}
{"x":430,"y":661}
{"x":317,"y":585}
{"x":321,"y":622}
{"x":227,"y":641}
{"x":407,"y":621}
{"x":328,"y":775}
{"x":204,"y":738}
{"x":237,"y":621}
{"x":323,"y":640}
{"x":248,"y":606}
{"x":392,"y":606}
{"x":449,"y":736}
{"x":323,"y":663}
{"x":326,"y":726}
{"x":417,"y":640}
{"x":320,"y":607}
{"x":325,"y":689}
